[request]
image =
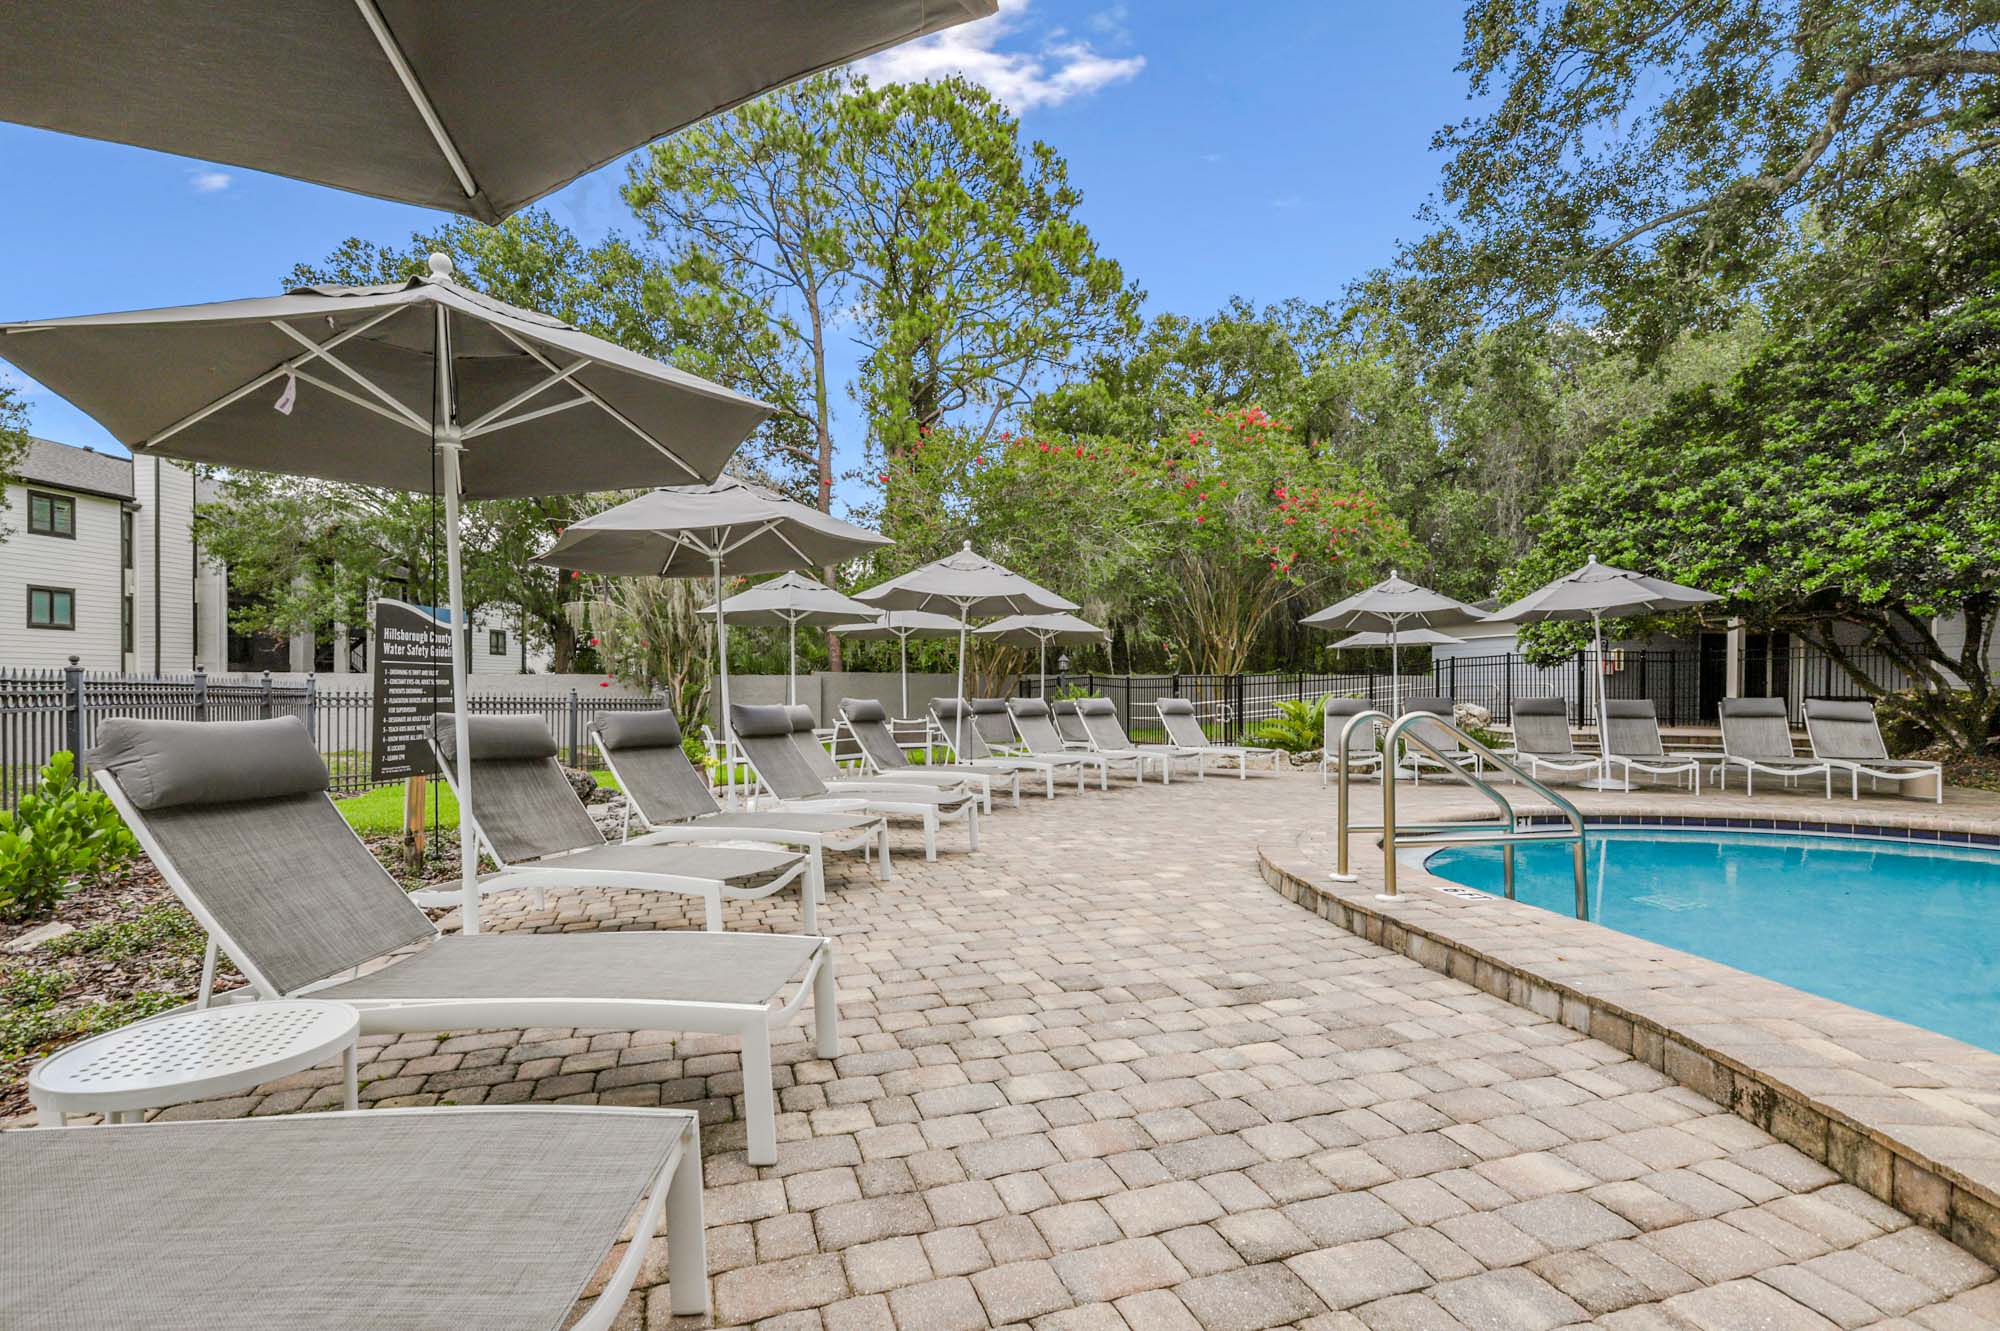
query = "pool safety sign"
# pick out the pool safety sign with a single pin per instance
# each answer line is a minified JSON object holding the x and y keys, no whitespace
{"x":411,"y":669}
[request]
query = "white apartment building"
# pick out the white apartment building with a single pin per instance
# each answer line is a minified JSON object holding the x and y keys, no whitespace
{"x":100,"y":562}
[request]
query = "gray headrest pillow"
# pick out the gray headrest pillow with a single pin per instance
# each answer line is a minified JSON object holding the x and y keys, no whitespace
{"x":755,"y":720}
{"x":165,"y":764}
{"x":497,"y":739}
{"x":863,"y":711}
{"x":639,"y":730}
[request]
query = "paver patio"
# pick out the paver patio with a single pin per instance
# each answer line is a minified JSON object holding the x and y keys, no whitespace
{"x":1101,"y":1076}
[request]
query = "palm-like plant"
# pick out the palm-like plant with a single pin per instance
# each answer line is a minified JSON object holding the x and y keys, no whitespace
{"x":1299,"y":727}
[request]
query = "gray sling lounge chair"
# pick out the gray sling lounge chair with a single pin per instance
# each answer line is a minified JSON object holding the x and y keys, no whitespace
{"x":1415,"y":760}
{"x":235,"y":816}
{"x":1757,"y":737}
{"x":1068,"y":724}
{"x":995,"y":726}
{"x":305,"y":1220}
{"x":665,"y":792}
{"x":1107,"y":739}
{"x":1183,"y":727}
{"x":1845,"y":735}
{"x":1362,"y":754}
{"x":867,"y":721}
{"x":1036,"y":725}
{"x":1542,"y":739}
{"x":946,"y":730}
{"x":805,"y":736}
{"x":541,"y":835}
{"x":779,"y":759}
{"x":1632,"y":744}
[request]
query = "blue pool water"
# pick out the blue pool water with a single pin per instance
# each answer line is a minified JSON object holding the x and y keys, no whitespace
{"x":1909,"y":929}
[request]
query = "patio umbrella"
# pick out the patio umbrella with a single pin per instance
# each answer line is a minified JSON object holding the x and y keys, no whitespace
{"x":408,"y":385}
{"x":1388,"y":607}
{"x":971,"y":584}
{"x":477,"y":109}
{"x":791,"y":599}
{"x":1044,"y":629}
{"x":689,"y":531}
{"x":902,"y":625}
{"x":1593,"y":592}
{"x":1407,"y":638}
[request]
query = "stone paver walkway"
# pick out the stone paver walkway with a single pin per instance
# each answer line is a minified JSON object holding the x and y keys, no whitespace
{"x":1098,"y":1076}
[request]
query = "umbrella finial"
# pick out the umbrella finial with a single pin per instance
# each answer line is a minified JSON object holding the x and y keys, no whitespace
{"x":968,"y":547}
{"x":440,"y":264}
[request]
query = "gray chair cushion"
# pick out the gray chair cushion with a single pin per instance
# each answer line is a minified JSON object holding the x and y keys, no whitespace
{"x":1541,"y":707}
{"x":1836,"y":709}
{"x":988,"y":706}
{"x":863,"y":710}
{"x":1753,"y":706}
{"x":639,"y":730}
{"x":1348,"y":706}
{"x":1096,"y":707}
{"x":754,"y":719}
{"x":946,"y":709}
{"x":801,"y":717}
{"x":1628,"y":708}
{"x":163,"y":764}
{"x":1435,"y":706}
{"x":496,"y":738}
{"x":1028,"y":707}
{"x":1175,"y":707}
{"x":1064,"y":707}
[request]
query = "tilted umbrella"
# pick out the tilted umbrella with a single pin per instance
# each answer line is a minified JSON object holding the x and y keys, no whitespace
{"x":1407,"y":638}
{"x":902,"y":625}
{"x":1043,"y":630}
{"x":690,"y":531}
{"x":1593,"y":592}
{"x":477,"y":109}
{"x":1388,"y":607}
{"x":402,"y":385}
{"x":791,"y":599}
{"x":971,"y":584}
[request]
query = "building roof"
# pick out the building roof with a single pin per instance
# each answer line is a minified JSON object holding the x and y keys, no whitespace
{"x":68,"y":467}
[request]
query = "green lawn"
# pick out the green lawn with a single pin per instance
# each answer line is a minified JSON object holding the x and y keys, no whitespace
{"x":380,"y":811}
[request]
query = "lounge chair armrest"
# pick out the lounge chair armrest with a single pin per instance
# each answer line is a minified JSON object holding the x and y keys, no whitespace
{"x":684,"y":833}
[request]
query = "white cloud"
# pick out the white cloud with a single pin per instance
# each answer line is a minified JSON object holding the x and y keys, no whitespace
{"x":209,"y":182}
{"x":1059,"y":67}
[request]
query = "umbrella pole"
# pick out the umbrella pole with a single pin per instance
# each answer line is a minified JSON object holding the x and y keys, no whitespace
{"x":959,"y":746}
{"x":722,"y":666}
{"x":1043,"y":682}
{"x":1604,"y":780}
{"x":448,"y":445}
{"x":792,"y":662}
{"x":903,"y":651}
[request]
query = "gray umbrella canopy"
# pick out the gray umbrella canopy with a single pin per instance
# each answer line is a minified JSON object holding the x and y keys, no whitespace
{"x":1406,"y":638}
{"x":790,"y":599}
{"x":902,"y":625}
{"x":971,"y":584}
{"x":690,"y":531}
{"x":1060,"y":626}
{"x":1388,"y":607}
{"x":410,"y":385}
{"x":478,"y":109}
{"x":1594,"y":592}
{"x":340,"y":383}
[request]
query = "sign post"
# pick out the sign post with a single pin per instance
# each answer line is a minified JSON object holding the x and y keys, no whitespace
{"x":411,"y":680}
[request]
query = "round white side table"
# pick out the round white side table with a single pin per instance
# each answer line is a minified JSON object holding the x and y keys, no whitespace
{"x":193,"y":1056}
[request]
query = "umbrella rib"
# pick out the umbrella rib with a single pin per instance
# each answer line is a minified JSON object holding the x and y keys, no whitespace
{"x":525,"y":417}
{"x":398,"y":62}
{"x":291,"y":366}
{"x":481,"y":425}
{"x":600,"y":403}
{"x":730,"y":547}
{"x":791,"y":545}
{"x":326,"y":386}
{"x":322,"y":353}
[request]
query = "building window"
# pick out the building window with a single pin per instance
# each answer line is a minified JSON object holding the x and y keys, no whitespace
{"x":496,"y":642}
{"x":51,"y":515}
{"x":128,"y":639}
{"x":125,"y":538}
{"x":51,"y":608}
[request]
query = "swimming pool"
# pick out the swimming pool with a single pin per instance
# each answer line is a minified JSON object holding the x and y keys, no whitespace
{"x":1909,"y":929}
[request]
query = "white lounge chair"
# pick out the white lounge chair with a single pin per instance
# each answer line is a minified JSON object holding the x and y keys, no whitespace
{"x":1035,"y":724}
{"x":665,"y":793}
{"x":1542,"y":738}
{"x":542,"y":837}
{"x":778,"y":756}
{"x":1757,"y":737}
{"x":966,"y":742}
{"x":1363,"y":755}
{"x":859,"y":778}
{"x":1416,"y":759}
{"x":866,"y":722}
{"x":1183,"y":727}
{"x":1632,"y":744}
{"x":235,"y":817}
{"x":1106,"y":735}
{"x":311,"y":1220}
{"x":1847,"y":736}
{"x":994,"y":724}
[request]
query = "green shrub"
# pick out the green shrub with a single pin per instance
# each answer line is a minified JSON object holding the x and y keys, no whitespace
{"x":64,"y":831}
{"x":1070,"y":693}
{"x":1297,"y":728}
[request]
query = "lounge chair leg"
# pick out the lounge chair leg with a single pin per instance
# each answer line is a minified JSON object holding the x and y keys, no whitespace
{"x":687,"y":1238}
{"x":930,"y":836}
{"x":972,"y":828}
{"x":758,"y":1115}
{"x":815,"y":889}
{"x":711,"y":910}
{"x":826,"y":1009}
{"x":539,"y":898}
{"x":883,"y":868}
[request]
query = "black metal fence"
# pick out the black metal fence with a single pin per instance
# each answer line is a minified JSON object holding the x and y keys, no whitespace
{"x":43,"y":712}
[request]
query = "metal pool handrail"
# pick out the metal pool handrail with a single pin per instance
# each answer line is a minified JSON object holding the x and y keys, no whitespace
{"x":1504,"y":831}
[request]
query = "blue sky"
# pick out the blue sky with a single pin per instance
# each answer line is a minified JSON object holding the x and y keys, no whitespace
{"x":1266,"y":150}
